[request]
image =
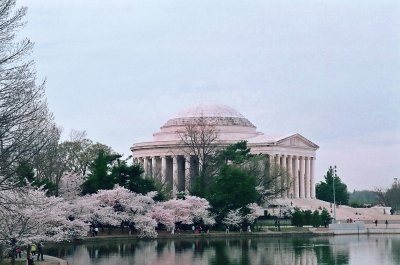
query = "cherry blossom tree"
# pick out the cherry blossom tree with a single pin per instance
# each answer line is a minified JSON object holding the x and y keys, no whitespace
{"x":112,"y":207}
{"x":144,"y":213}
{"x":233,"y":218}
{"x":70,"y":186}
{"x":89,"y":209}
{"x":199,"y":209}
{"x":138,"y":209}
{"x":186,"y":211}
{"x":255,"y":212}
{"x":28,"y":215}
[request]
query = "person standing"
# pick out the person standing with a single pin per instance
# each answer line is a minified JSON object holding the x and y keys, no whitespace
{"x":33,"y":249}
{"x":18,"y":251}
{"x":29,"y":258}
{"x":40,"y":251}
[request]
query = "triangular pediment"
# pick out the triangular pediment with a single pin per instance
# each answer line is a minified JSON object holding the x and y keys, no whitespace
{"x":296,"y":140}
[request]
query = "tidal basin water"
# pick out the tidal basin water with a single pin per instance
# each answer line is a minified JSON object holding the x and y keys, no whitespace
{"x":338,"y":250}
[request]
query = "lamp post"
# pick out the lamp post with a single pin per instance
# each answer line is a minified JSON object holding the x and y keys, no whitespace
{"x":334,"y":198}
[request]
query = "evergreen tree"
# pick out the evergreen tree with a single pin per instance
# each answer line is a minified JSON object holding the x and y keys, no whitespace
{"x":107,"y":170}
{"x":237,"y":153}
{"x":297,"y":217}
{"x":99,"y":177}
{"x":316,"y":219}
{"x":324,"y":189}
{"x":325,"y":217}
{"x":26,"y":175}
{"x":307,"y":217}
{"x":232,"y":189}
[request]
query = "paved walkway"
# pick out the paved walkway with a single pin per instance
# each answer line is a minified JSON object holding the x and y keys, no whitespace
{"x":48,"y":260}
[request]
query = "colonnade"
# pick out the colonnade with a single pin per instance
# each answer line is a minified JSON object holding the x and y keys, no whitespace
{"x":299,"y":182}
{"x":179,"y":171}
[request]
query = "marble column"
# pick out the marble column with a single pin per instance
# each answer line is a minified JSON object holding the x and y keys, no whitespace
{"x":175,"y":180}
{"x":283,"y":180}
{"x":298,"y":259}
{"x":163,"y":169}
{"x":145,"y":167}
{"x":301,"y":179}
{"x":290,"y":177}
{"x":188,"y":184}
{"x":296,"y":177}
{"x":271,"y":160}
{"x":278,"y":178}
{"x":154,"y":167}
{"x":312,"y":176}
{"x":307,"y":178}
{"x":303,"y":256}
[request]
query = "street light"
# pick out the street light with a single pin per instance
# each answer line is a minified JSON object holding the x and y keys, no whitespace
{"x":334,"y":199}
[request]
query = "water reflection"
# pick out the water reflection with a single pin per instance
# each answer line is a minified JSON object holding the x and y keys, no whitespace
{"x":343,"y":250}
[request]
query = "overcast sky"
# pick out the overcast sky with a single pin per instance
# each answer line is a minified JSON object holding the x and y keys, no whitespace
{"x":329,"y":70}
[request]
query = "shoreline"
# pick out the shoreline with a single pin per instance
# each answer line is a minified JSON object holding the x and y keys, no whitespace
{"x":310,"y":233}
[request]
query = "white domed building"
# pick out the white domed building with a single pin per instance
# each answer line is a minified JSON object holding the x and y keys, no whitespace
{"x":166,"y":158}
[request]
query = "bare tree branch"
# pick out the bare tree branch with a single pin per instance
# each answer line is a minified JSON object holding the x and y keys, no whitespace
{"x":26,"y":125}
{"x":199,"y":138}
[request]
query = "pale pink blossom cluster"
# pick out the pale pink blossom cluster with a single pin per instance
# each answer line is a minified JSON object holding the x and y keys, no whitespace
{"x":255,"y":212}
{"x":235,"y":218}
{"x":121,"y":205}
{"x":28,"y":215}
{"x":186,"y":211}
{"x":69,"y":186}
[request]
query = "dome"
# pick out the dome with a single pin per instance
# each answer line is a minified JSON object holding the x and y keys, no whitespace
{"x":209,"y":110}
{"x":217,"y":114}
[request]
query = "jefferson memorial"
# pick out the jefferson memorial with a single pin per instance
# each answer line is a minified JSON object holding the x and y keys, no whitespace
{"x":165,"y":157}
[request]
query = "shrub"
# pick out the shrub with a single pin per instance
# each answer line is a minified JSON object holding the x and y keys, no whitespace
{"x":298,"y":217}
{"x":316,"y":219}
